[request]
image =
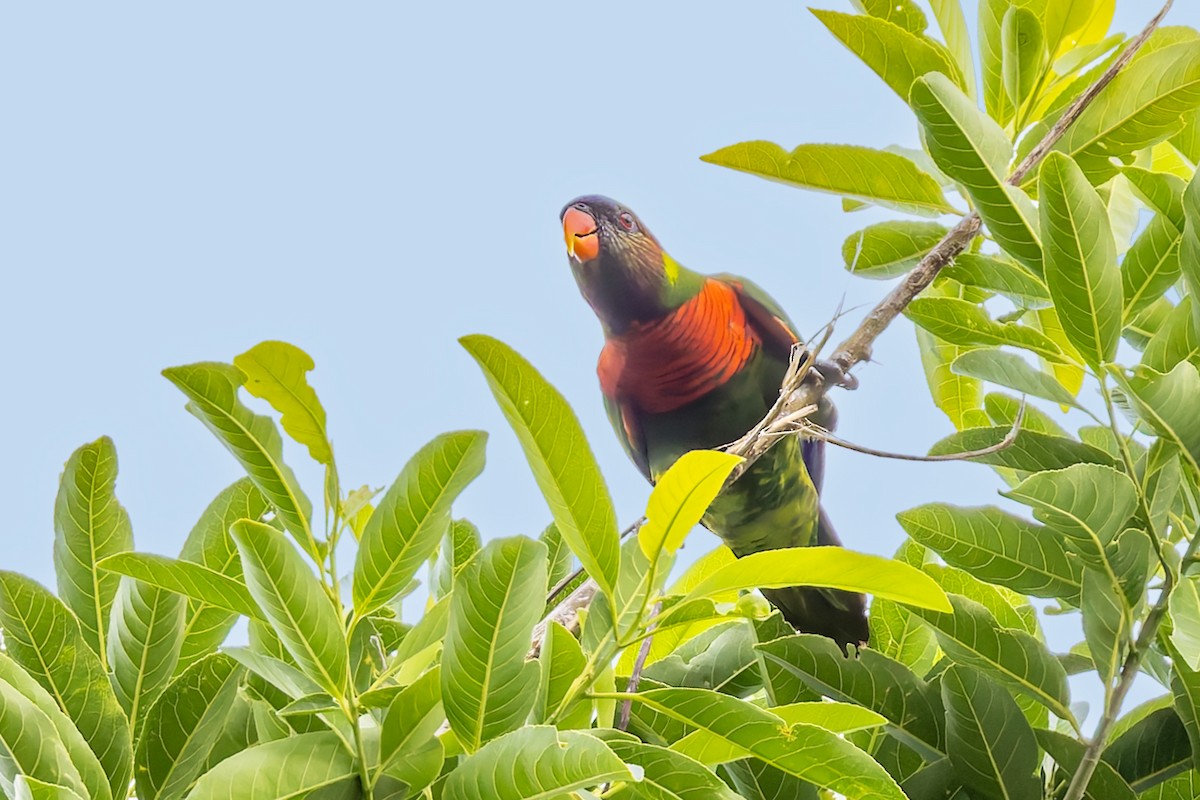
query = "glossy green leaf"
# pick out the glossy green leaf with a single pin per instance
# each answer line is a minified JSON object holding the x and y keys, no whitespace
{"x":905,"y":13}
{"x":887,"y":249}
{"x":185,"y":578}
{"x":1014,"y":372}
{"x":534,"y":762}
{"x":860,"y":173}
{"x":1151,"y":266}
{"x":1189,"y":248}
{"x":1185,"y":615}
{"x":252,"y":439}
{"x":998,"y":275}
{"x":896,"y":55}
{"x":1106,"y":623}
{"x":872,"y":680}
{"x":26,"y":788}
{"x":1002,"y":409}
{"x":1025,"y":56}
{"x":971,"y":636}
{"x":830,"y":567}
{"x":680,"y":497}
{"x":990,"y":25}
{"x":721,"y":658}
{"x":44,"y":637}
{"x":1166,"y":403}
{"x":559,"y":455}
{"x":1088,"y":503}
{"x":899,"y":635}
{"x":1067,"y":752}
{"x":460,"y":543}
{"x":1030,"y":452}
{"x":1152,"y":750}
{"x":299,"y":766}
{"x":1080,"y":260}
{"x":973,"y":150}
{"x":277,"y":372}
{"x":1161,"y":192}
{"x":965,"y":323}
{"x":957,"y":396}
{"x":949,"y":14}
{"x":143,"y":644}
{"x":665,"y":774}
{"x":997,"y":547}
{"x":80,"y":755}
{"x":408,"y":732}
{"x":487,"y":686}
{"x":210,"y":546}
{"x":29,"y":745}
{"x":89,"y":524}
{"x":414,"y":514}
{"x":1178,"y":339}
{"x":182,"y":727}
{"x":991,"y":745}
{"x":562,"y":661}
{"x":1011,"y":609}
{"x":806,"y":751}
{"x":1144,"y":104}
{"x":292,"y":598}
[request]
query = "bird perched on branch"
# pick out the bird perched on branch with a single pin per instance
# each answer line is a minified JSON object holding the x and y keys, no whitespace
{"x":692,"y":362}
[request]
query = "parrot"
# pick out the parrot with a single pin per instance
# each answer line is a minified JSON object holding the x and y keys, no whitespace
{"x":693,"y":361}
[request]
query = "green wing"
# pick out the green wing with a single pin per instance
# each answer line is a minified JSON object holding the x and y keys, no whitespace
{"x":629,"y":432}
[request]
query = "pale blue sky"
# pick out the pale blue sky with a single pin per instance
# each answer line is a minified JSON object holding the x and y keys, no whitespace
{"x":372,"y":180}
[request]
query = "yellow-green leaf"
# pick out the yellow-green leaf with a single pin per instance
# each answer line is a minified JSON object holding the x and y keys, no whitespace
{"x":276,"y":372}
{"x":681,"y":497}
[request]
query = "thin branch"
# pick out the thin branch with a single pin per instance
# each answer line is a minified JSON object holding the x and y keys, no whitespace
{"x":1009,"y":439}
{"x":804,"y":386}
{"x":635,"y":676}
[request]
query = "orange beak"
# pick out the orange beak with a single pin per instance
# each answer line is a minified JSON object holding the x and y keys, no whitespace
{"x":581,"y":234}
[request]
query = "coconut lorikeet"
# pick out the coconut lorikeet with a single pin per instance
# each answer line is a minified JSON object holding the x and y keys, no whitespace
{"x":693,"y":361}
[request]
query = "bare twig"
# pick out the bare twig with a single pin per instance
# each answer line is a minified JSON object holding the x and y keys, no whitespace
{"x":635,"y":676}
{"x":804,"y":387}
{"x":1009,"y":439}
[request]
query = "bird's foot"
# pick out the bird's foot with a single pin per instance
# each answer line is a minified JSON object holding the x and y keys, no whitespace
{"x":833,"y":374}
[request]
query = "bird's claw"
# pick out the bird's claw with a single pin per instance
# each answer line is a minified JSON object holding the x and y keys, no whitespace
{"x":833,"y":374}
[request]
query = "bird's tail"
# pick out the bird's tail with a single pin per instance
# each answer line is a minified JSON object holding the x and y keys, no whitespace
{"x":838,"y":614}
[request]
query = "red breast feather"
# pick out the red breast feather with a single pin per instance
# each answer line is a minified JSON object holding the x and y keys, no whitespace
{"x":663,"y":365}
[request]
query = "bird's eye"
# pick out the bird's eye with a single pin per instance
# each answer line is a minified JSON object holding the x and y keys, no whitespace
{"x":627,"y":221}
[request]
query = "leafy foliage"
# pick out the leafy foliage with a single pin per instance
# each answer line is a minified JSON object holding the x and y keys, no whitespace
{"x":121,"y":683}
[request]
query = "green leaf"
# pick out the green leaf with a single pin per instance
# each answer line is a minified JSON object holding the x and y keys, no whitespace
{"x":1185,"y":689}
{"x":1011,"y":610}
{"x":26,"y":788}
{"x":806,"y":751}
{"x":896,"y":55}
{"x":30,"y":745}
{"x":1024,"y":53}
{"x":1106,"y":623}
{"x":277,"y":372}
{"x":1075,"y":23}
{"x":991,"y":745}
{"x":562,"y":662}
{"x":1080,"y":260}
{"x":1002,"y":409}
{"x":887,"y":249}
{"x":965,"y":323}
{"x":299,"y":766}
{"x":956,"y":395}
{"x":1177,"y":340}
{"x":1009,"y":369}
{"x":293,"y":600}
{"x":1030,"y":452}
{"x":408,"y":732}
{"x":860,"y":173}
{"x":89,"y":524}
{"x":1087,"y":503}
{"x":972,"y":636}
{"x":897,"y":634}
{"x":1166,"y":404}
{"x":665,"y":774}
{"x":1151,"y":266}
{"x":535,"y":762}
{"x":953,"y":23}
{"x":209,"y":546}
{"x":997,"y":547}
{"x":185,"y":578}
{"x":998,"y":275}
{"x":44,"y":637}
{"x":872,"y":680}
{"x":905,"y":13}
{"x":1152,"y":750}
{"x":252,"y":439}
{"x":721,"y":658}
{"x":91,"y":773}
{"x":1181,"y":787}
{"x":559,"y":455}
{"x":487,"y":686}
{"x":410,"y":520}
{"x":143,"y":644}
{"x":1161,"y":192}
{"x":991,"y":58}
{"x":1105,"y":783}
{"x":681,"y":496}
{"x":973,"y":150}
{"x":828,"y":567}
{"x":1144,"y":104}
{"x":459,"y":545}
{"x":1189,"y":248}
{"x":182,"y":727}
{"x":1184,"y":608}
